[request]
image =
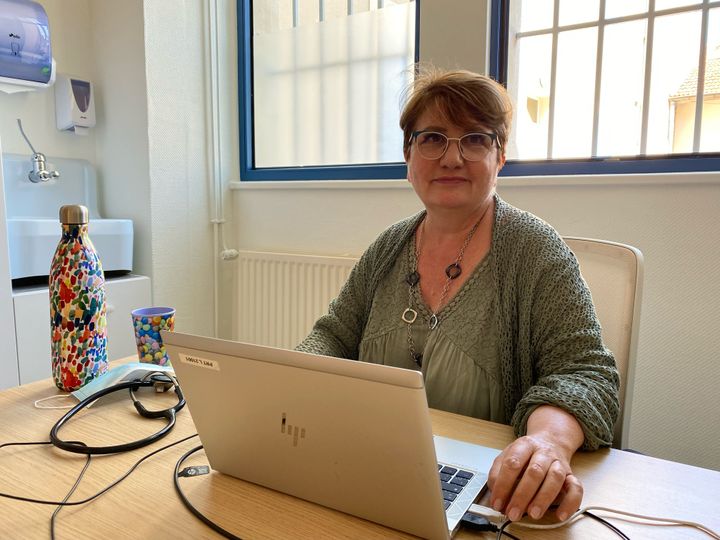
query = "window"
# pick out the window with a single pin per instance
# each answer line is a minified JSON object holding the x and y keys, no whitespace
{"x":610,"y":86}
{"x":320,"y":85}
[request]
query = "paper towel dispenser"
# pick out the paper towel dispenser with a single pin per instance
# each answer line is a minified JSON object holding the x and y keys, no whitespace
{"x":25,"y":53}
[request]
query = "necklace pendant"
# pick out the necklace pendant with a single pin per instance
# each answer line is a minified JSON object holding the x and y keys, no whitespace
{"x":409,"y":315}
{"x":453,"y":270}
{"x":433,"y":321}
{"x":412,"y":278}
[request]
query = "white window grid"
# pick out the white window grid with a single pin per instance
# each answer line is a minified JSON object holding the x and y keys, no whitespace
{"x":650,"y":15}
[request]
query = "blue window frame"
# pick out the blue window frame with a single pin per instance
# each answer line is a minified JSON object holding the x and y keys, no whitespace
{"x":248,"y":169}
{"x":500,"y":39}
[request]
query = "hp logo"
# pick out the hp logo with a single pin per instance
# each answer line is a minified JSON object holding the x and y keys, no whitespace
{"x":295,"y":432}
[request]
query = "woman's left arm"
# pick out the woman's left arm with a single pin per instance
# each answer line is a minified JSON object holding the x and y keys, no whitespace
{"x":534,"y":471}
{"x":570,"y":395}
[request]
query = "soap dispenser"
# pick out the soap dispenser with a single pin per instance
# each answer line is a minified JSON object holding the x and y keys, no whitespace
{"x":74,"y":104}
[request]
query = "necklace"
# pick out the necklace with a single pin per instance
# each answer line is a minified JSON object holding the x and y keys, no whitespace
{"x":452,"y":271}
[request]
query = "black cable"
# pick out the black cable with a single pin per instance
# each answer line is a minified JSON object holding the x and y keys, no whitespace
{"x":99,"y":493}
{"x":501,"y":529}
{"x":207,"y":521}
{"x":511,"y":536}
{"x":72,"y":490}
{"x":3,"y":445}
{"x":607,"y":524}
{"x":479,"y":523}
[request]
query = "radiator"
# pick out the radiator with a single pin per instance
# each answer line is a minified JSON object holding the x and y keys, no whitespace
{"x":280,"y":295}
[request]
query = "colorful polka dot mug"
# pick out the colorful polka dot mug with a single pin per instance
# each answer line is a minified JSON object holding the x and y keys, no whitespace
{"x":147,"y":323}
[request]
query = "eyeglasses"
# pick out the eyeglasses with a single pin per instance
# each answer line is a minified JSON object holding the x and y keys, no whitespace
{"x":473,"y":146}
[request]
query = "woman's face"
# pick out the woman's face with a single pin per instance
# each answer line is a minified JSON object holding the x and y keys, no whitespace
{"x":451,"y":182}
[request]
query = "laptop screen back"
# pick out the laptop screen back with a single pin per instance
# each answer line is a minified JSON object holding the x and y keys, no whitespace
{"x":348,"y":435}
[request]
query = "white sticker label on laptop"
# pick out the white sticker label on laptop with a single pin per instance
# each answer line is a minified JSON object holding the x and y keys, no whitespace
{"x":199,"y":362}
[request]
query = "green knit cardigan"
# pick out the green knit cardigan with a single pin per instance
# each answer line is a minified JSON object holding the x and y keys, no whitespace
{"x":550,"y":347}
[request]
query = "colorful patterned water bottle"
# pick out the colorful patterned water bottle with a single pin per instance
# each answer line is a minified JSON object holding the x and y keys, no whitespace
{"x":78,"y":327}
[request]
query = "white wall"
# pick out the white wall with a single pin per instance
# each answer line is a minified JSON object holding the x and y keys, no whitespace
{"x":152,"y":147}
{"x":118,"y":42}
{"x":673,"y":219}
{"x":455,"y":33}
{"x":147,"y":61}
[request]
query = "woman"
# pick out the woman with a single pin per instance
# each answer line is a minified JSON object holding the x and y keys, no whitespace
{"x":485,"y":299}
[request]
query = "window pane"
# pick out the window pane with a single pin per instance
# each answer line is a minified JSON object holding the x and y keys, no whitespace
{"x":620,"y":8}
{"x":710,"y":131}
{"x":272,"y":16}
{"x":308,"y":12}
{"x":531,"y":84}
{"x":671,"y":119}
{"x":358,"y":6}
{"x":574,"y":93}
{"x":334,"y":9}
{"x":621,"y":93}
{"x":327,"y":93}
{"x":572,"y":11}
{"x":667,"y":4}
{"x":646,"y":95}
{"x":536,"y":14}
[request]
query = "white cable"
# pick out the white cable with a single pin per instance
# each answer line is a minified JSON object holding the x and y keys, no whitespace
{"x":579,"y":514}
{"x":53,"y":397}
{"x":493,"y":516}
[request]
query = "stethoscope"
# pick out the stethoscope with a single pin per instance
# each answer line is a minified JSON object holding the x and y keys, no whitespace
{"x":156,"y":378}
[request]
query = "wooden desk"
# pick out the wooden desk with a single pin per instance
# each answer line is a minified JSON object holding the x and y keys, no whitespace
{"x":145,"y":506}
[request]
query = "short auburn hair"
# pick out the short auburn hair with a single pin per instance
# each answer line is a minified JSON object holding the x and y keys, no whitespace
{"x":462,"y":97}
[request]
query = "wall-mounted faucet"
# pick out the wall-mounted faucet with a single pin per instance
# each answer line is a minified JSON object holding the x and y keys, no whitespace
{"x":39,"y":173}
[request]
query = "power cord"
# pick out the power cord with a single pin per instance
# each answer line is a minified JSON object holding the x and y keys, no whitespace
{"x":584,"y":511}
{"x":72,"y":490}
{"x":65,"y":501}
{"x":207,"y":521}
{"x":99,"y":493}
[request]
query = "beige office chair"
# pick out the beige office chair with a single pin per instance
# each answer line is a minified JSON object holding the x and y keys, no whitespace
{"x":614,"y":273}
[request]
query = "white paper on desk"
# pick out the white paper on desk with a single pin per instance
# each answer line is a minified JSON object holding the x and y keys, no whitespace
{"x":118,"y":374}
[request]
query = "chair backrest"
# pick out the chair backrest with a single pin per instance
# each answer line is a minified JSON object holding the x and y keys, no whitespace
{"x":614,"y":274}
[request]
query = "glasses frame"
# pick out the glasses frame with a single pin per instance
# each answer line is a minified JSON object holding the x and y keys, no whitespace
{"x":493,"y":137}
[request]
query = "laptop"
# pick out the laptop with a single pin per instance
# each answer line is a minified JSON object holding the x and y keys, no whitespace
{"x":352,"y":436}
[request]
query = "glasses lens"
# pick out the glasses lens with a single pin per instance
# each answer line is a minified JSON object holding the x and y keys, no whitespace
{"x":476,"y":145}
{"x":431,"y":145}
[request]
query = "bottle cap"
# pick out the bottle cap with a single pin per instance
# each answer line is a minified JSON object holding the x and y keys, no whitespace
{"x":74,"y":214}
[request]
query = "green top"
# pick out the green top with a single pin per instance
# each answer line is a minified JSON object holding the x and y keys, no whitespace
{"x":460,"y":365}
{"x":549,"y":347}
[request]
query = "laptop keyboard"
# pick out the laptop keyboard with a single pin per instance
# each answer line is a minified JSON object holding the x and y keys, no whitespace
{"x":452,"y":481}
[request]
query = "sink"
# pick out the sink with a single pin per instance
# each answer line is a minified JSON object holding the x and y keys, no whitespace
{"x":33,"y":226}
{"x":33,"y":242}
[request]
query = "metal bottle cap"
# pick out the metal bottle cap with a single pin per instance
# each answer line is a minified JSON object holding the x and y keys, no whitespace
{"x":74,"y":214}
